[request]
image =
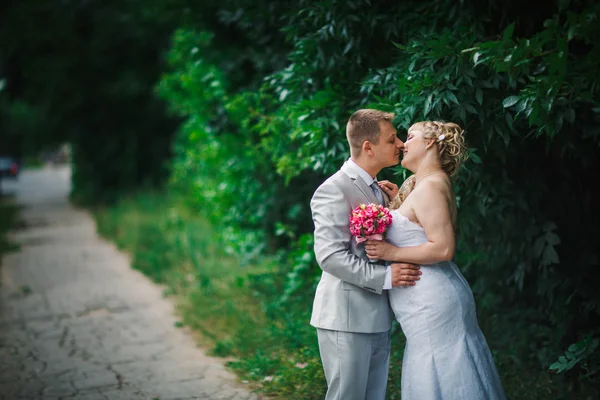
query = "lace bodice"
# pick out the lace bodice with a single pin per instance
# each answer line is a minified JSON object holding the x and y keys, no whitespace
{"x":403,"y":232}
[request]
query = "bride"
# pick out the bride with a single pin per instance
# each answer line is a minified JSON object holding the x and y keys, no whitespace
{"x":446,"y":355}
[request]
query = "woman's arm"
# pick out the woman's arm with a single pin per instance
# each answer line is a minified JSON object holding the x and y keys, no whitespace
{"x":433,"y":213}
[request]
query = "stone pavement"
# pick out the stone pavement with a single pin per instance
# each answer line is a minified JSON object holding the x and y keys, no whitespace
{"x":76,"y":322}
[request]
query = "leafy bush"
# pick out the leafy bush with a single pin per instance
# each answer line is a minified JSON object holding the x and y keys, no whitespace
{"x":520,"y":81}
{"x":262,"y":91}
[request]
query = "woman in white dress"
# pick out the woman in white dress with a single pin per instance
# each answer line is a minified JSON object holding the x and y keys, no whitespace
{"x":446,"y":355}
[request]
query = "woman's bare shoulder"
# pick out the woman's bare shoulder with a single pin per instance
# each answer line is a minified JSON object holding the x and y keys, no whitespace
{"x":434,"y":185}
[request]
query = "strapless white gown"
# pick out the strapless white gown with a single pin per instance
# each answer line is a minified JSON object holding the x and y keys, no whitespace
{"x":446,"y":355}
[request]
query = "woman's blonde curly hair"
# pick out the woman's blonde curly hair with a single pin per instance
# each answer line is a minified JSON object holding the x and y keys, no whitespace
{"x":450,"y":143}
{"x":451,"y":147}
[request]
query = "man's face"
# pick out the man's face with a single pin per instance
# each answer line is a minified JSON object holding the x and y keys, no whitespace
{"x":389,"y":148}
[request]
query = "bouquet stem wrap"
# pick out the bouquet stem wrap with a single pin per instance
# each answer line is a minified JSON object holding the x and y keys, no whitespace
{"x":360,"y":239}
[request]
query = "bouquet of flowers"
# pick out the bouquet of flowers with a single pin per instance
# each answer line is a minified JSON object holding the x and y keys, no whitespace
{"x":369,"y":221}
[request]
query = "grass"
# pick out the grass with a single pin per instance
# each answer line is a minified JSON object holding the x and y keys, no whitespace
{"x":227,"y":304}
{"x":234,"y":307}
{"x":8,"y":219}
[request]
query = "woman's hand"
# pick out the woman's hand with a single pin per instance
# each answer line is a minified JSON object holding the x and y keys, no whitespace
{"x":391,"y":189}
{"x":380,"y":250}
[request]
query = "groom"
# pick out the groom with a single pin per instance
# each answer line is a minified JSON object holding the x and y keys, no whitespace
{"x":351,"y":310}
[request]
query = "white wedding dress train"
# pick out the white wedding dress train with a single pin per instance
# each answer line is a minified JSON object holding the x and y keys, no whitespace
{"x":446,"y":355}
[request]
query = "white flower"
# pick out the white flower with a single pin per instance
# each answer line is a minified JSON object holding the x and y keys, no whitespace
{"x":441,"y":137}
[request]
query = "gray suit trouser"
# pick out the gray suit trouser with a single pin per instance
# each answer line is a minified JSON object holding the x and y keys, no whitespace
{"x":356,"y":365}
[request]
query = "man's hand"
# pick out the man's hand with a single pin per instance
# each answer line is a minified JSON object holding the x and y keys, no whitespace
{"x":405,"y":274}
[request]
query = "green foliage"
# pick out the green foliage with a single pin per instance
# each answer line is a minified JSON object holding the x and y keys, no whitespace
{"x":142,"y":235}
{"x":8,"y":220}
{"x":90,"y":83}
{"x":262,"y":91}
{"x":535,"y":149}
{"x":219,"y":158}
{"x":578,"y":354}
{"x":522,"y":83}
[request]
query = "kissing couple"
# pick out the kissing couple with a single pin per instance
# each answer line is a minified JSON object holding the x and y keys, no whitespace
{"x":415,"y":280}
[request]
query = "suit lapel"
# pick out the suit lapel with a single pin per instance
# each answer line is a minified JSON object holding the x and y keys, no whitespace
{"x":360,"y":184}
{"x":367,"y":191}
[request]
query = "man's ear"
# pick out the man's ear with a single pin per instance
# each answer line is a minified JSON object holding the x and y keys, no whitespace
{"x":367,"y":148}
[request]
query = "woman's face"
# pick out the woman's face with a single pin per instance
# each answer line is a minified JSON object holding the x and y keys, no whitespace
{"x":415,"y":148}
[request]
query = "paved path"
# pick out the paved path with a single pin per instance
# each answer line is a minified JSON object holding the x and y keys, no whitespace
{"x":76,"y":322}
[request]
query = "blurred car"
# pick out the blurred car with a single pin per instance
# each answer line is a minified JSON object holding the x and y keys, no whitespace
{"x":9,"y":167}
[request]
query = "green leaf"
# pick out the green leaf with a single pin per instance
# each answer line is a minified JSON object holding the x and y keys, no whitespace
{"x":479,"y":95}
{"x":508,"y":32}
{"x":470,"y":108}
{"x":550,"y":256}
{"x":427,"y":107}
{"x":573,"y":347}
{"x":481,"y":207}
{"x":521,"y":105}
{"x":538,"y":246}
{"x":552,"y":239}
{"x":348,"y":47}
{"x":505,"y":136}
{"x":556,"y":366}
{"x":510,"y":101}
{"x":509,"y":120}
{"x":473,"y":156}
{"x":570,"y":115}
{"x":452,"y":97}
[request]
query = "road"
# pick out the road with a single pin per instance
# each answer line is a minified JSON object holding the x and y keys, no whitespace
{"x":76,"y":322}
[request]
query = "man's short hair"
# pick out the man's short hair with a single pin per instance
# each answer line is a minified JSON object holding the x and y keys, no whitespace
{"x":364,"y":125}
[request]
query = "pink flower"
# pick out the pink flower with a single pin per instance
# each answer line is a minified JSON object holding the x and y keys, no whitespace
{"x":369,"y":219}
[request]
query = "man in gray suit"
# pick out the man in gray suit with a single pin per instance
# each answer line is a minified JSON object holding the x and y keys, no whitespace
{"x":351,"y":310}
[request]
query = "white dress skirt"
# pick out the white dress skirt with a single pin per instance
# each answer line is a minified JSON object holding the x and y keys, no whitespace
{"x":446,"y":355}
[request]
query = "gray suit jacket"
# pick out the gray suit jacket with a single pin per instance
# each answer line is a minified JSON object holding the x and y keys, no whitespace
{"x":350,"y":295}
